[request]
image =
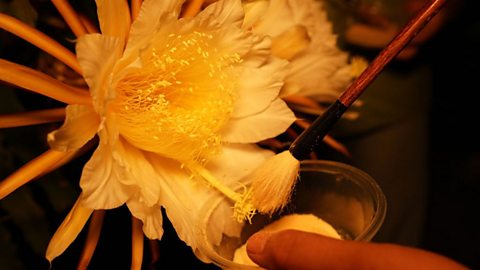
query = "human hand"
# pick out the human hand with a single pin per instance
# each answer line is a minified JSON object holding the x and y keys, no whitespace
{"x":291,"y":249}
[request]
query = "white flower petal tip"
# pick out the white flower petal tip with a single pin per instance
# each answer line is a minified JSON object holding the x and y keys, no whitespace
{"x":291,"y":42}
{"x":273,"y":182}
{"x":80,"y":126}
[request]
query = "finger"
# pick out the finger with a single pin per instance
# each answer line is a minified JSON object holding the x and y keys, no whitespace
{"x":292,"y":249}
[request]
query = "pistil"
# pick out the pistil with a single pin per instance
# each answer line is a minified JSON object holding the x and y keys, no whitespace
{"x":243,"y":207}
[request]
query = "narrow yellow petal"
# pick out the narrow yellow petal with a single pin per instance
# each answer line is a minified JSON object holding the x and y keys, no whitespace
{"x":94,"y":230}
{"x":154,"y":251}
{"x":38,"y":82}
{"x":68,"y":157}
{"x":32,"y":118}
{"x":137,"y":244}
{"x":135,"y":8}
{"x":40,"y":40}
{"x":336,"y":145}
{"x":88,"y":24}
{"x":29,"y":171}
{"x":192,"y":8}
{"x":70,"y":17}
{"x":114,"y":18}
{"x":68,"y":230}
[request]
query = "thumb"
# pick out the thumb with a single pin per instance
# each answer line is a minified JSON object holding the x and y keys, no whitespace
{"x":291,"y":249}
{"x":299,"y":250}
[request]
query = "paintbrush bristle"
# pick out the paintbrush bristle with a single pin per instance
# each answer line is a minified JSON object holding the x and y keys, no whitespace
{"x":273,"y":182}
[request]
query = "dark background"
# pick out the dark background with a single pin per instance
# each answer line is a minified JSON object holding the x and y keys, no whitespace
{"x":452,"y":222}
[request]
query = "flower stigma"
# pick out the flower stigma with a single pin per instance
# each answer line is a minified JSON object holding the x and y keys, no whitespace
{"x":243,"y":209}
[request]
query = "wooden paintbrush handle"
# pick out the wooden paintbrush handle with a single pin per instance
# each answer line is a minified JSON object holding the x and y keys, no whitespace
{"x":312,"y":136}
{"x":415,"y":25}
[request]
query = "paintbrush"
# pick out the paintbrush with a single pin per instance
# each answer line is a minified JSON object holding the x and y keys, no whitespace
{"x":274,"y":180}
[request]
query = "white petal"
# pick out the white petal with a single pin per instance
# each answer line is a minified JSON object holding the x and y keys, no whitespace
{"x":267,"y":124}
{"x":181,"y":196}
{"x":217,"y":221}
{"x":150,"y":216}
{"x":320,"y":58}
{"x":253,"y":11}
{"x":225,"y":13}
{"x":290,"y":43}
{"x":277,"y":18}
{"x":313,"y":15}
{"x":223,"y":20}
{"x":258,"y":87}
{"x":223,"y":217}
{"x":68,"y":230}
{"x":324,"y":66}
{"x":231,"y":167}
{"x":259,"y":53}
{"x":80,"y":126}
{"x":114,"y":18}
{"x":97,"y":55}
{"x":237,"y":161}
{"x":104,"y":181}
{"x":227,"y":38}
{"x":138,"y":171}
{"x":150,"y":18}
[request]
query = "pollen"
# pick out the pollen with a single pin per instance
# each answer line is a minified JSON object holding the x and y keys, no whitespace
{"x":180,"y":98}
{"x":243,"y":209}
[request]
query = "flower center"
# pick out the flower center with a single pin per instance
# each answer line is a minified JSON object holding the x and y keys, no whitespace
{"x":180,"y":98}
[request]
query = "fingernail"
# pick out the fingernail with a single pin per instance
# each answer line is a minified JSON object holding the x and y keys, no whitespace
{"x":256,"y":242}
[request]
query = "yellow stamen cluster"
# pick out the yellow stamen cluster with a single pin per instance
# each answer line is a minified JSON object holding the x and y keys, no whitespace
{"x":181,"y":97}
{"x":243,"y":209}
